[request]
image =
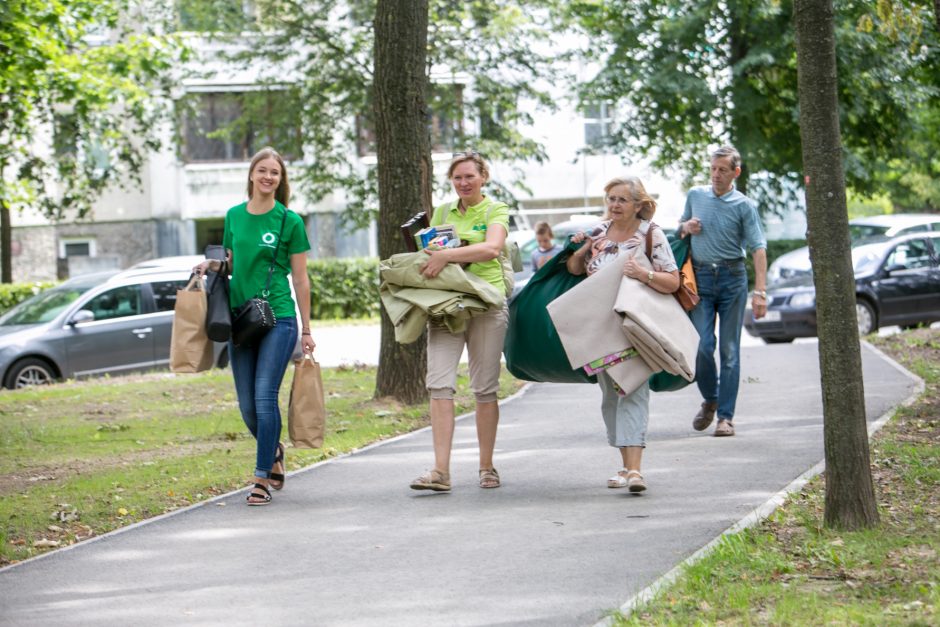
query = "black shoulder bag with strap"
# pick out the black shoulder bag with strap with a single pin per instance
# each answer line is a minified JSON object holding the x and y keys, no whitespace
{"x":254,"y":318}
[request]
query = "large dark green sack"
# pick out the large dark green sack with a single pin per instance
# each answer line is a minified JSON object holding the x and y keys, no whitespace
{"x":532,"y":348}
{"x":663,"y":381}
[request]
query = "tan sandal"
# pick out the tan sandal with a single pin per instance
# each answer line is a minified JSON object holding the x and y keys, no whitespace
{"x":432,"y":480}
{"x":631,"y":479}
{"x":489,"y":478}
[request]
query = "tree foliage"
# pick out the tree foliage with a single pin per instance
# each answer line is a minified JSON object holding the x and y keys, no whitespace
{"x":79,"y":101}
{"x":689,"y":76}
{"x":484,"y":67}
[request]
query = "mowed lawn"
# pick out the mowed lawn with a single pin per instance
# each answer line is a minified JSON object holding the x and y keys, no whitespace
{"x":83,"y":458}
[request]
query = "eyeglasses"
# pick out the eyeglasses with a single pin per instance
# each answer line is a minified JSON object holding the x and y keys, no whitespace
{"x":617,"y":200}
{"x":466,"y":153}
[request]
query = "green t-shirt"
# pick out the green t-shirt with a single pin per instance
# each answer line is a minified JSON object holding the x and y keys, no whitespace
{"x":252,"y":239}
{"x":471,"y":226}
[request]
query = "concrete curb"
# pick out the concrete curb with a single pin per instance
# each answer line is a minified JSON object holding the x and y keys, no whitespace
{"x":768,"y":507}
{"x":221,"y":497}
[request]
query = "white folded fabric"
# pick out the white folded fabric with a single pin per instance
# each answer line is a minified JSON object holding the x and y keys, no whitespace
{"x":657,"y":327}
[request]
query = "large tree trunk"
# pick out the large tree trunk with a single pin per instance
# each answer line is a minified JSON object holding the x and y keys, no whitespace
{"x":6,"y":242}
{"x":404,"y":168}
{"x":850,"y":498}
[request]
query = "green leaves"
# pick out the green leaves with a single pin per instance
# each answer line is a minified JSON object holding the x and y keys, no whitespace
{"x":67,"y":59}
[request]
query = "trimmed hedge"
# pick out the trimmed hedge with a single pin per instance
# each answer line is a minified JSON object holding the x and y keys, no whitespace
{"x":775,"y":248}
{"x":343,"y":288}
{"x":13,"y":293}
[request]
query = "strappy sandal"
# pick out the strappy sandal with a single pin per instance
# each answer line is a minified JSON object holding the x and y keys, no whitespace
{"x":263,"y":499}
{"x":489,"y":478}
{"x":631,"y":479}
{"x":276,"y":479}
{"x":432,"y":480}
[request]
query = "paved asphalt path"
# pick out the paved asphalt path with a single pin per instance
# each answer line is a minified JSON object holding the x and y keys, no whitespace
{"x":347,"y":543}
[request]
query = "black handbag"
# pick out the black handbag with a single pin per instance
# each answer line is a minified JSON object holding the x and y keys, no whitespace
{"x":218,"y":310}
{"x":254,"y":318}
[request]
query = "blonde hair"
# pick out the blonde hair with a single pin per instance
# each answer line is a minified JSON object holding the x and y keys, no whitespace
{"x":282,"y":193}
{"x":469,"y":155}
{"x":637,"y":194}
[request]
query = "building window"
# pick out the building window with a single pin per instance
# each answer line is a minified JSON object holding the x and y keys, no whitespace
{"x":233,"y":126}
{"x":220,"y":16}
{"x":76,"y":248}
{"x":445,"y":123}
{"x":597,"y":123}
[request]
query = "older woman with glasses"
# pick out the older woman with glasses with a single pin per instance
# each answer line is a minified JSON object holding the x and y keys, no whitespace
{"x":483,"y":224}
{"x":624,"y":229}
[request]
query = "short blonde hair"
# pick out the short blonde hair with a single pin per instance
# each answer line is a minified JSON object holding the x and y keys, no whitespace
{"x":469,"y":155}
{"x":637,"y":194}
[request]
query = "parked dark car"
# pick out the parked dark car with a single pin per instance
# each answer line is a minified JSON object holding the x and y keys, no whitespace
{"x":897,"y":282}
{"x":796,"y":262}
{"x":102,"y":323}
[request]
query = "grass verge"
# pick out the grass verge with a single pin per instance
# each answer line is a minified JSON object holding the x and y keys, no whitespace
{"x":791,"y":570}
{"x":84,"y":458}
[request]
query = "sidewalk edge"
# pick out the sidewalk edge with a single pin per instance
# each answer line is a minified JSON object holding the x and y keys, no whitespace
{"x":768,"y":507}
{"x":525,"y":388}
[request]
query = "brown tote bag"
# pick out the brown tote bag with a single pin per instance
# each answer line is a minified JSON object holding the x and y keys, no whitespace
{"x":306,"y":417}
{"x":190,"y":347}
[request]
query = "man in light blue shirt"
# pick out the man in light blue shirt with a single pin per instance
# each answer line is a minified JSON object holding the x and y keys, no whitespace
{"x":723,"y":225}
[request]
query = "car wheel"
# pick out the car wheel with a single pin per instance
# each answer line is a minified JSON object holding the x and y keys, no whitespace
{"x":27,"y":372}
{"x":777,"y":340}
{"x":867,"y":319}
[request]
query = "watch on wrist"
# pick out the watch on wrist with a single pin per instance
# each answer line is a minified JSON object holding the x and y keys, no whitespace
{"x":649,"y":277}
{"x":761,"y":293}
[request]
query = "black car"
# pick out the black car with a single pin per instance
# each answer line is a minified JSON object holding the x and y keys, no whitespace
{"x":897,"y":282}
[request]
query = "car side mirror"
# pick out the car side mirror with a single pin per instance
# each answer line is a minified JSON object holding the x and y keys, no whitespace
{"x":894,"y":267}
{"x":82,"y":315}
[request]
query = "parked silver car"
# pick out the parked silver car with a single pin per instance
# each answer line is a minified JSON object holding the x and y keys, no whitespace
{"x":102,"y":323}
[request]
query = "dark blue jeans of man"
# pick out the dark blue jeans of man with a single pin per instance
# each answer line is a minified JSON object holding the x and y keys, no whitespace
{"x":723,"y":290}
{"x":258,"y":372}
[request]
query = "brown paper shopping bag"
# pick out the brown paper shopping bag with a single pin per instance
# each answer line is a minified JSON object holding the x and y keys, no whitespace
{"x":306,"y":417}
{"x":190,"y":347}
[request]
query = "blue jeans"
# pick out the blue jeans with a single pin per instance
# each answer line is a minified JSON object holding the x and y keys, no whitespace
{"x":258,"y":372}
{"x":723,"y":290}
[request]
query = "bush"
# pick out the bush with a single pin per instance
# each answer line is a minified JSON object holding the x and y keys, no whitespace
{"x":14,"y":293}
{"x":775,"y":248}
{"x":343,"y":288}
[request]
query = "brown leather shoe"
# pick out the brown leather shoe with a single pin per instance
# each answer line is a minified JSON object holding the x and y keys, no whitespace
{"x":724,"y":429}
{"x":704,"y":416}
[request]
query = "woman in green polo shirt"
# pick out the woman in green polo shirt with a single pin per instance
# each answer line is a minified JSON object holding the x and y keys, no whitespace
{"x":257,"y":232}
{"x":483,"y":224}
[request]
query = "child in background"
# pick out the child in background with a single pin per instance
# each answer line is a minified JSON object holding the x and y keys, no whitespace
{"x":547,"y":248}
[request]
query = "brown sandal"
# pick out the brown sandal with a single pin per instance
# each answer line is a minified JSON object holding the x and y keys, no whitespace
{"x":489,"y":478}
{"x":432,"y":480}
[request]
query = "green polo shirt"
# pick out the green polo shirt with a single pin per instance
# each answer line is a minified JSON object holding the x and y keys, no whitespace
{"x":471,"y":227}
{"x":252,"y":240}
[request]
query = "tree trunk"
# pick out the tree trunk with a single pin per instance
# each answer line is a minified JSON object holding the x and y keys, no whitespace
{"x":850,"y":497}
{"x":738,"y":46}
{"x":6,"y":243}
{"x":404,"y":168}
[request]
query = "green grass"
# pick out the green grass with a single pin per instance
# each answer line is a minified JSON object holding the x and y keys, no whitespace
{"x":84,"y":458}
{"x":791,"y":570}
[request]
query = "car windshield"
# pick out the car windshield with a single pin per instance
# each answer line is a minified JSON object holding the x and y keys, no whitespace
{"x":866,"y":258}
{"x":864,"y":231}
{"x":44,"y":306}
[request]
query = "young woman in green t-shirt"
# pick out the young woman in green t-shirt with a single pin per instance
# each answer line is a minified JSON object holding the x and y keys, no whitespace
{"x":254,"y":232}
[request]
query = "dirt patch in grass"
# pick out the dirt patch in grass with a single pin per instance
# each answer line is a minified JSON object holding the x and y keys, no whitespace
{"x":909,"y":506}
{"x":21,"y":480}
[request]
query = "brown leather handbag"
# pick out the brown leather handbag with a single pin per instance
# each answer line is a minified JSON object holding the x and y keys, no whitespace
{"x":687,"y":294}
